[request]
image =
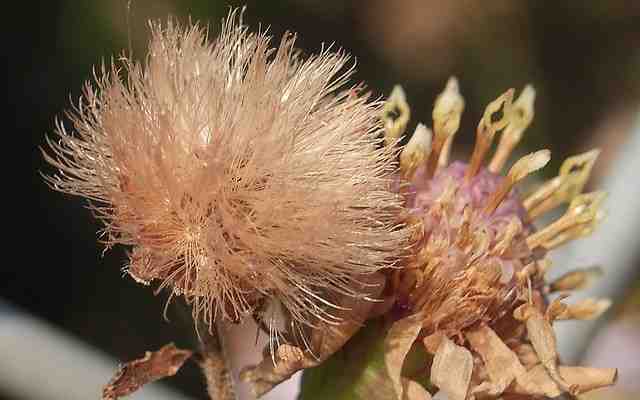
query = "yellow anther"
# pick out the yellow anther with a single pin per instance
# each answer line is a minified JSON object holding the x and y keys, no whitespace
{"x":395,"y":115}
{"x":519,"y":119}
{"x":523,"y":167}
{"x":569,"y":183}
{"x":416,"y":152}
{"x":495,"y":118}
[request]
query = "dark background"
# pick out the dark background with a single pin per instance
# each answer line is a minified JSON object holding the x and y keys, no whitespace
{"x":582,"y":57}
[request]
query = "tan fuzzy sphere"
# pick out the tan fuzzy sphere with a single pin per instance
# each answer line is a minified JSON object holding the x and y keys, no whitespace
{"x":236,"y":172}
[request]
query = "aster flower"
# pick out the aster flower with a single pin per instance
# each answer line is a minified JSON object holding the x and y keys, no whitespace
{"x":474,"y":294}
{"x":240,"y":176}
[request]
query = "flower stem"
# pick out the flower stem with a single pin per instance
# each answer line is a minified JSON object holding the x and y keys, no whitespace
{"x":215,"y":364}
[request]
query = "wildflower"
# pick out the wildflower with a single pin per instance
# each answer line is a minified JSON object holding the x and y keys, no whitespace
{"x":238,"y":174}
{"x":473,"y":293}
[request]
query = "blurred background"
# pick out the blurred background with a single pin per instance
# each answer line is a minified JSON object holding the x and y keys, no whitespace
{"x":67,"y":315}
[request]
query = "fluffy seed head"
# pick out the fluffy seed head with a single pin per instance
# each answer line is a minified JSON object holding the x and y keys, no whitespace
{"x":235,"y":171}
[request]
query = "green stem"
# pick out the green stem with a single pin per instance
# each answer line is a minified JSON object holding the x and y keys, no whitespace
{"x":358,"y":372}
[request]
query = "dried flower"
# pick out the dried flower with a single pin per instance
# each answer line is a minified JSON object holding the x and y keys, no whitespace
{"x":474,"y":291}
{"x":236,"y":172}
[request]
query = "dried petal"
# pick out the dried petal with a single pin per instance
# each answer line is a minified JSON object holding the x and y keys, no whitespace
{"x":397,"y":344}
{"x":153,"y":366}
{"x":451,"y":369}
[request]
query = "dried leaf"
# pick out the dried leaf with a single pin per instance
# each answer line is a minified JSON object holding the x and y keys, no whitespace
{"x":398,"y":342}
{"x":451,"y":369}
{"x":501,"y":363}
{"x":153,"y":366}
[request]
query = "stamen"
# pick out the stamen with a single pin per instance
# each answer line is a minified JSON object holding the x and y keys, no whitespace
{"x":586,"y":309}
{"x":579,"y":220}
{"x":499,"y":109}
{"x":416,"y":151}
{"x":504,"y":243}
{"x":576,"y":280}
{"x":447,"y":111}
{"x":569,"y":183}
{"x":519,"y":119}
{"x":445,"y":153}
{"x":395,"y":115}
{"x":523,"y":167}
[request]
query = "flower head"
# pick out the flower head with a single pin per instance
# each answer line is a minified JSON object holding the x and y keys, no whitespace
{"x":474,"y":291}
{"x":236,"y":172}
